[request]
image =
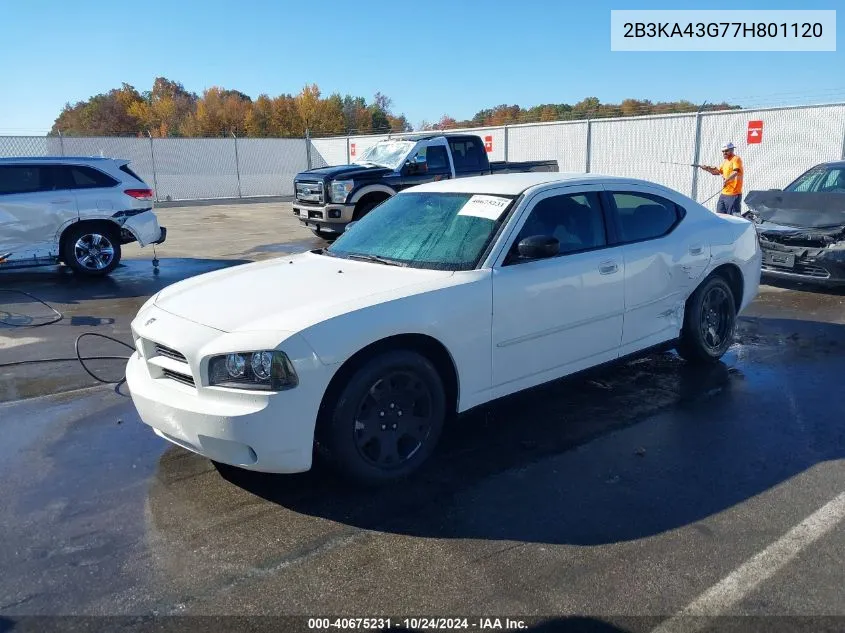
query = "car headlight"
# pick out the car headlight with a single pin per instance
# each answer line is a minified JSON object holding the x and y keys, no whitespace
{"x":340,"y":189}
{"x":265,"y":370}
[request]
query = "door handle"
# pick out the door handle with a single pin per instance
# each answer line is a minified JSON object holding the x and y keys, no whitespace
{"x":696,"y":250}
{"x":608,"y":268}
{"x":62,"y":201}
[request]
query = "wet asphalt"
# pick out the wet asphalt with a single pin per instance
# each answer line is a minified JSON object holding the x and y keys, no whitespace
{"x":612,"y":499}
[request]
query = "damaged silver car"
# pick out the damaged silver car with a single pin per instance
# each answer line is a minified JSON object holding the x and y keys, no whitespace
{"x":802,"y":227}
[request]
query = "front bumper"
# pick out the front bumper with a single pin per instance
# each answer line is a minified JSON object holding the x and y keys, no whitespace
{"x":331,"y":217}
{"x":824,"y":267}
{"x":267,"y":432}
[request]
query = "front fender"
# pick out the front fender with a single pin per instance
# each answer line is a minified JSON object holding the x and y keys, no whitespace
{"x":367,"y":189}
{"x":465,"y":334}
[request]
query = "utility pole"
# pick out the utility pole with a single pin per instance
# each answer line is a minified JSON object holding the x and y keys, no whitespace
{"x":153,"y":159}
{"x":237,"y":164}
{"x":696,"y":157}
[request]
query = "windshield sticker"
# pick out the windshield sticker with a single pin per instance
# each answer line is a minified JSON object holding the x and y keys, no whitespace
{"x":487,"y":207}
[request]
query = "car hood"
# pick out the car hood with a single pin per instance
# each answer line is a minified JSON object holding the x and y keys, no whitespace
{"x":798,"y":210}
{"x":346,"y":171}
{"x":290,"y":293}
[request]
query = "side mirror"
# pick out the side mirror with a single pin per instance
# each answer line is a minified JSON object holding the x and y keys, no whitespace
{"x":415,"y":165}
{"x":538,"y":247}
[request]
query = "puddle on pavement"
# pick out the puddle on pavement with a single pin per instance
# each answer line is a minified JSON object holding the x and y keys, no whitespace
{"x":293,"y":246}
{"x":132,"y":278}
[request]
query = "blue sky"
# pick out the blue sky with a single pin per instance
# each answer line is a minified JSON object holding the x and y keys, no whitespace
{"x":431,"y":57}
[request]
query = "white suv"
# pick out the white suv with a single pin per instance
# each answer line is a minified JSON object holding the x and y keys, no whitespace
{"x":73,"y":210}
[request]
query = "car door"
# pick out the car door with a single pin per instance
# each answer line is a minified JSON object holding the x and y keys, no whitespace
{"x":92,"y":188}
{"x":427,"y":163}
{"x":32,"y":210}
{"x":558,"y":315}
{"x":468,"y":156}
{"x":665,"y":259}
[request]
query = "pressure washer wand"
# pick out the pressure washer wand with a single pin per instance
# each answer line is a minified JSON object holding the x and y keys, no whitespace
{"x":668,"y":162}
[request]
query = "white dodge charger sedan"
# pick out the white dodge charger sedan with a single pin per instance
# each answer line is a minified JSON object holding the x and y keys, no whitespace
{"x":445,"y":297}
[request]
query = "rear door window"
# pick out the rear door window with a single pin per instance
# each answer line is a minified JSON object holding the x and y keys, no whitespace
{"x":89,"y":178}
{"x":644,"y":216}
{"x":467,"y":154}
{"x":24,"y":179}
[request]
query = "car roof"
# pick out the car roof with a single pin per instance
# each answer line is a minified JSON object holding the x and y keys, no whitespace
{"x":425,"y":136}
{"x":836,"y":164}
{"x":515,"y":184}
{"x":59,"y":159}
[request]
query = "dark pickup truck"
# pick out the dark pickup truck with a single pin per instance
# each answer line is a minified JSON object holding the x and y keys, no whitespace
{"x":329,"y":198}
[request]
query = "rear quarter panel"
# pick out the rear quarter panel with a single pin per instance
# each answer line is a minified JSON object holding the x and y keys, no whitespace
{"x":734,"y":240}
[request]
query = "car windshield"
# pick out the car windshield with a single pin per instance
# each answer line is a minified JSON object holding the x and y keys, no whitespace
{"x":386,"y":154}
{"x":443,"y":231}
{"x":808,"y":181}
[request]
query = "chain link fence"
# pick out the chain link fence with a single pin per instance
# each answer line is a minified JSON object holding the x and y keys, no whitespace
{"x":793,"y":140}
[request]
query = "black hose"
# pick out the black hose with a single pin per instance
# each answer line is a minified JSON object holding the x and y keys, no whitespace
{"x":79,"y":358}
{"x":85,"y":367}
{"x":711,"y":197}
{"x":59,"y":316}
{"x":61,"y":360}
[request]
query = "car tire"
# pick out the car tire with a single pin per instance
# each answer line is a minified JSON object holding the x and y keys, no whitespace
{"x":709,"y":322}
{"x":363,"y":209}
{"x":386,"y":419}
{"x":92,"y":250}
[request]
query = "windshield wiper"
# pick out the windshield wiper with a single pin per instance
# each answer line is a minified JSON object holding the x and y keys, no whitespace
{"x":376,"y":258}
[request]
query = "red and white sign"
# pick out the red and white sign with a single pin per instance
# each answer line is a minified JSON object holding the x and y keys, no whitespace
{"x":755,"y":132}
{"x":352,"y":148}
{"x":488,"y":144}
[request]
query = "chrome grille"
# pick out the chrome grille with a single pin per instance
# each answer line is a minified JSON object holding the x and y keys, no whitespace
{"x":173,"y":375}
{"x":802,"y":270}
{"x":169,"y":352}
{"x":811,"y":271}
{"x":309,"y":191}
